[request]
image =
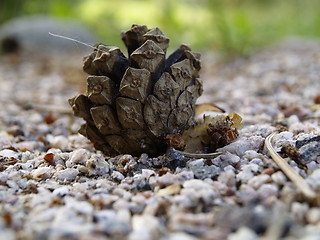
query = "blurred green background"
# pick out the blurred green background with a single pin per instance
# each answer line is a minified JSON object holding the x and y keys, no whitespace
{"x":232,"y":27}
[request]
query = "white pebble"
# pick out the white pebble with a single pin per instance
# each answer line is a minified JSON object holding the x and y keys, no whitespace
{"x":68,"y":174}
{"x":251,"y":154}
{"x":196,"y":184}
{"x":81,"y":207}
{"x":41,"y":173}
{"x":117,"y":176}
{"x":313,"y":216}
{"x":279,"y":178}
{"x":79,"y":156}
{"x":8,"y":234}
{"x":12,"y":184}
{"x":254,"y":167}
{"x":181,"y":236}
{"x":312,"y":166}
{"x":268,"y":190}
{"x":257,"y":181}
{"x":282,"y":139}
{"x":243,"y":233}
{"x":59,"y":142}
{"x":97,"y":165}
{"x":8,"y":153}
{"x":30,"y":145}
{"x":147,"y":173}
{"x":299,"y":210}
{"x":145,"y":223}
{"x":297,"y":128}
{"x":166,"y":180}
{"x":228,"y":178}
{"x":124,"y":215}
{"x":314,"y":180}
{"x":245,"y":175}
{"x":196,"y":163}
{"x":229,"y":168}
{"x":61,"y":191}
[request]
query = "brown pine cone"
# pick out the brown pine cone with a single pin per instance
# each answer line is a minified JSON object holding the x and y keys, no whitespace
{"x":133,"y":103}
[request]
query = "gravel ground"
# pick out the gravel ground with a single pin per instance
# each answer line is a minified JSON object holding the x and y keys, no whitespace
{"x":54,"y":185}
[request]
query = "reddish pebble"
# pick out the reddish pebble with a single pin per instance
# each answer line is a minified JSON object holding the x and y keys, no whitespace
{"x":49,"y":158}
{"x":317,"y":99}
{"x":268,"y":171}
{"x":49,"y":118}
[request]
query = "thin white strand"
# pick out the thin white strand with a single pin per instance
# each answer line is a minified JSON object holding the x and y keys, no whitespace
{"x":75,"y":40}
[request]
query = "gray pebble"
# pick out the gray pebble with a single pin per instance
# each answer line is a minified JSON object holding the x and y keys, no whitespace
{"x":242,"y":145}
{"x":206,"y":172}
{"x":310,"y":152}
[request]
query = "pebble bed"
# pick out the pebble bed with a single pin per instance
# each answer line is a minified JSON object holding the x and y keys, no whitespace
{"x":54,"y":185}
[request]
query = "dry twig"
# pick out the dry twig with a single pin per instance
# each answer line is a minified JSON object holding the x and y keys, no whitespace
{"x":289,"y":171}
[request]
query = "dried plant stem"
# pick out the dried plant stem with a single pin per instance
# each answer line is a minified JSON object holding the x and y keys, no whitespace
{"x":199,"y":155}
{"x":289,"y":171}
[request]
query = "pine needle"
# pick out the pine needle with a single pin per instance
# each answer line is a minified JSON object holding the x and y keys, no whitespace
{"x":199,"y":155}
{"x":300,"y":182}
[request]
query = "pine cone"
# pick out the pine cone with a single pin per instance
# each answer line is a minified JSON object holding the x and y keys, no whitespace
{"x":133,"y":103}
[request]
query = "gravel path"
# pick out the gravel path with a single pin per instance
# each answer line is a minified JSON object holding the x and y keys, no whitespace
{"x":54,"y":185}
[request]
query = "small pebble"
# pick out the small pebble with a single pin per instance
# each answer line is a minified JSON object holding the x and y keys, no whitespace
{"x":9,"y":154}
{"x":259,"y":180}
{"x":41,"y":173}
{"x":241,"y":146}
{"x":146,"y":225}
{"x":117,"y":176}
{"x":196,"y":163}
{"x":251,"y":154}
{"x":314,"y":180}
{"x":78,"y":156}
{"x":245,"y":174}
{"x":68,"y":174}
{"x":282,"y":139}
{"x":97,"y":165}
{"x":313,"y":216}
{"x":268,"y":190}
{"x":228,"y":178}
{"x":279,"y":178}
{"x":299,"y":210}
{"x":61,"y":191}
{"x":60,"y":142}
{"x":180,"y":236}
{"x":196,"y":184}
{"x":243,"y":233}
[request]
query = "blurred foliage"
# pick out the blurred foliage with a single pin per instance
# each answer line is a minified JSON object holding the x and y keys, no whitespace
{"x":231,"y":26}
